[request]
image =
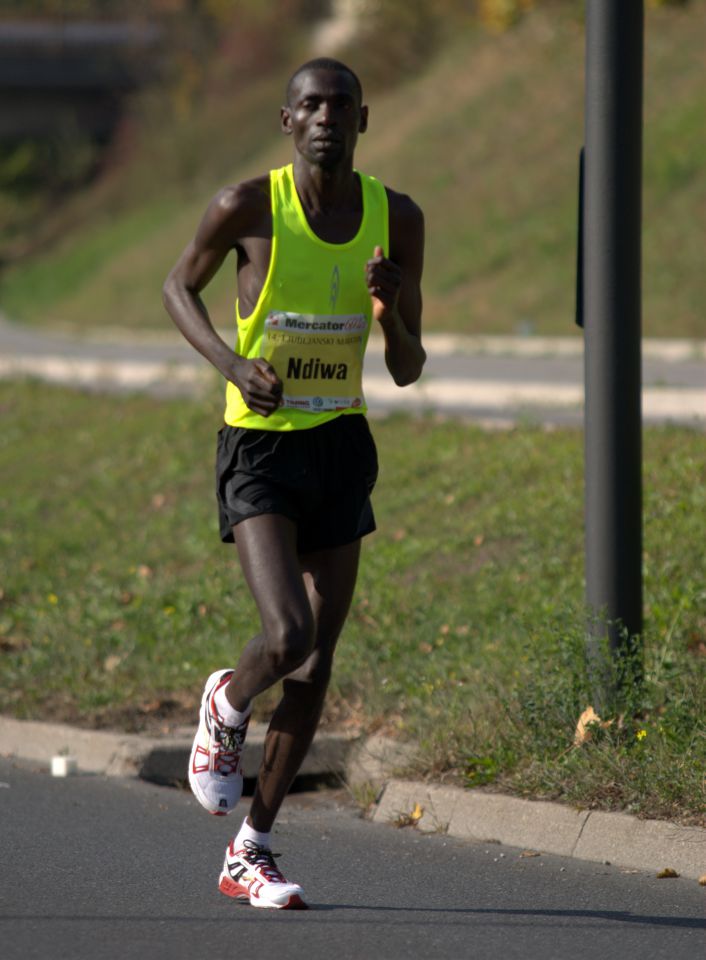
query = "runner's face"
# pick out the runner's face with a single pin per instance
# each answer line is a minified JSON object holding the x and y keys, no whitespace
{"x":325,"y":117}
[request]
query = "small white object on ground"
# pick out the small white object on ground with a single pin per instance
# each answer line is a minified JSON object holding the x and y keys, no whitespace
{"x":63,"y":766}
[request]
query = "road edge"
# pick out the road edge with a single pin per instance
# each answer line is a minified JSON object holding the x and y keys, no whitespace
{"x":370,"y":765}
{"x":545,"y":827}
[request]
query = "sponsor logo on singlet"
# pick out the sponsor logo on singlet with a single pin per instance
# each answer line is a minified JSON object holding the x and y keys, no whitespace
{"x":335,"y":287}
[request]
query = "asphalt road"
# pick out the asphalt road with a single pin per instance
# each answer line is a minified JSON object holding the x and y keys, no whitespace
{"x":97,"y":869}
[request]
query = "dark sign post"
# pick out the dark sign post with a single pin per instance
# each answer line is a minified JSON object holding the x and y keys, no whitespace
{"x":610,"y":289}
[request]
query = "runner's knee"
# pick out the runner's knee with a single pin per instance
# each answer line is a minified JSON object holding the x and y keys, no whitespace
{"x":312,"y":677}
{"x":289,"y":642}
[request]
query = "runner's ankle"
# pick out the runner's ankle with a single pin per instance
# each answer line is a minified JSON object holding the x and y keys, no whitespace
{"x":248,"y":832}
{"x":231,"y":716}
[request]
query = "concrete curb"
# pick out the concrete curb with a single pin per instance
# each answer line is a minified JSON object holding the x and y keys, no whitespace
{"x":617,"y":838}
{"x":371,"y":763}
{"x":159,"y":759}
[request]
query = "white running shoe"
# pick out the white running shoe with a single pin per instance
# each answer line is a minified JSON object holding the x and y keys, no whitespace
{"x":215,"y":773}
{"x":251,"y":875}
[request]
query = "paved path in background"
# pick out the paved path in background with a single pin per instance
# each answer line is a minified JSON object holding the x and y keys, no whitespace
{"x":122,"y":870}
{"x":494,"y":380}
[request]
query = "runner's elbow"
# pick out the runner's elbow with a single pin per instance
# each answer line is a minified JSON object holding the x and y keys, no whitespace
{"x":411,"y":371}
{"x":168,"y":291}
{"x":405,"y":379}
{"x":173,"y":292}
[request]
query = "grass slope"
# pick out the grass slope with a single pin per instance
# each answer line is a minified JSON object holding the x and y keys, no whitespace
{"x":486,"y":140}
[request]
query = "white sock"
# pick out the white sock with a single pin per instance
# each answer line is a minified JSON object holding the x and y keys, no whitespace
{"x":247,"y":832}
{"x":231,"y":716}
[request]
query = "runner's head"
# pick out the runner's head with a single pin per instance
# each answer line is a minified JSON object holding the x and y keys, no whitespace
{"x":322,"y":63}
{"x":324,"y":112}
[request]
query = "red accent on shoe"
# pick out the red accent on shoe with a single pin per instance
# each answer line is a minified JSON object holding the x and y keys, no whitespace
{"x":232,"y":889}
{"x":202,"y":767}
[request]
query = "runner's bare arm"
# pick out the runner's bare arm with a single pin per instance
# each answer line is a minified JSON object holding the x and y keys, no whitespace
{"x":227,"y":220}
{"x":395,"y":289}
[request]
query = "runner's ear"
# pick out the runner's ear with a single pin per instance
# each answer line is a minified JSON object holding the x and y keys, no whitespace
{"x":285,"y":119}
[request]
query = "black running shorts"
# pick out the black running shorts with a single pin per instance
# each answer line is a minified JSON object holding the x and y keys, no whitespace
{"x":321,"y":478}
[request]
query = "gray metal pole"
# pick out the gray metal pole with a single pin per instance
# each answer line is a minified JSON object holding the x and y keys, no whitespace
{"x":611,"y":317}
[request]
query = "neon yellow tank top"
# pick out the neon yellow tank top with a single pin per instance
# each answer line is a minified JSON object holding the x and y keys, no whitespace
{"x":312,"y":319}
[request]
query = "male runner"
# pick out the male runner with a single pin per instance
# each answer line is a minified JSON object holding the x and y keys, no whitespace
{"x":324,"y":253}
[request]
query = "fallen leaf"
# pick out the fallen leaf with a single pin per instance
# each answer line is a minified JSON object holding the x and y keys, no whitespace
{"x":410,"y":819}
{"x":162,"y":706}
{"x":111,"y":662}
{"x":530,"y":853}
{"x":11,"y":644}
{"x":667,"y":874}
{"x":702,"y":880}
{"x":588,"y":718}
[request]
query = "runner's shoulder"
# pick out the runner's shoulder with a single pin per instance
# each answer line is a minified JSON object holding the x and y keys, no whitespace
{"x":403,"y":207}
{"x":242,"y":202}
{"x":405,"y":214}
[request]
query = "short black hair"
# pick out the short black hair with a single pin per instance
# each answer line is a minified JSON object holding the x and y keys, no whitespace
{"x":323,"y":63}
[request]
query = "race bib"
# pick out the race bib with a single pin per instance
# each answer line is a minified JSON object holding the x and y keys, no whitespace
{"x":319,"y":359}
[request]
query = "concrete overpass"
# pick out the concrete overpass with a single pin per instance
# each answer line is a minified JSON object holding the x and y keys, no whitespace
{"x":57,"y":77}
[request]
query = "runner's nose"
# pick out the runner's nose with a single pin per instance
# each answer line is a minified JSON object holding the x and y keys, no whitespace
{"x":325,"y":116}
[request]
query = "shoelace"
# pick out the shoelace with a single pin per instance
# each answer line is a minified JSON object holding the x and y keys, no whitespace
{"x":230,"y":746}
{"x":263,"y":858}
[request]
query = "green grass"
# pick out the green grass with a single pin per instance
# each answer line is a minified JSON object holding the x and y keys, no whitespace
{"x":466,"y":633}
{"x":486,"y":139}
